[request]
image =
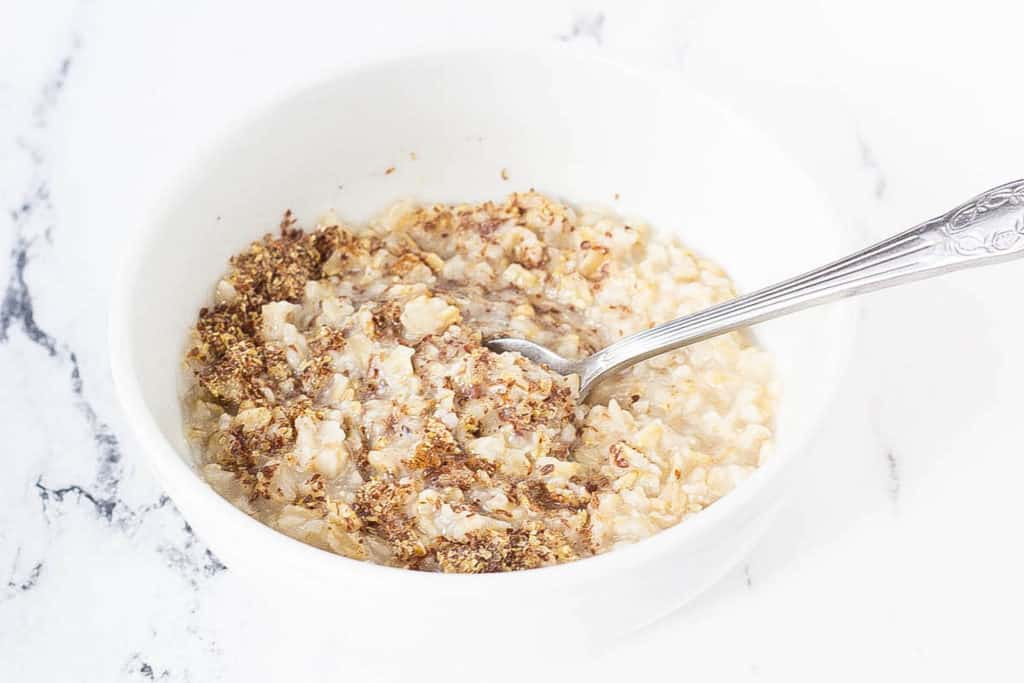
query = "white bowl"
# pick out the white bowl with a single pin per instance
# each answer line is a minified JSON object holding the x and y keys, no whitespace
{"x":581,"y":129}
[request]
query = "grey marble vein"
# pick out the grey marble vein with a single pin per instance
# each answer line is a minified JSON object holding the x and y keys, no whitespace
{"x":51,"y":89}
{"x":892,"y":465}
{"x":104,"y":508}
{"x":17,"y":308}
{"x":139,"y":668}
{"x":867,"y":157}
{"x":30,"y":581}
{"x":586,"y":25}
{"x":894,"y":475}
{"x":190,"y":558}
{"x":21,"y":583}
{"x":108,"y":473}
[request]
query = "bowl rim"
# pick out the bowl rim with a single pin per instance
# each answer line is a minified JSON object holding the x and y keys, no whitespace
{"x":181,"y":481}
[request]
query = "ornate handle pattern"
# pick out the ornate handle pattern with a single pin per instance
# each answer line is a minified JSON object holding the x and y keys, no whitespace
{"x":986,"y":229}
{"x":978,"y":228}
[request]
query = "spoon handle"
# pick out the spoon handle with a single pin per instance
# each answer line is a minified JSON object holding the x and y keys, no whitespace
{"x":987,"y":229}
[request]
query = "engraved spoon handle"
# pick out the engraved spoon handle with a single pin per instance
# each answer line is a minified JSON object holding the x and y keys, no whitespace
{"x":986,"y":229}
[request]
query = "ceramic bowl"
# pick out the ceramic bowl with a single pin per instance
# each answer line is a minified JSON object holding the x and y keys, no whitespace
{"x":583,"y":130}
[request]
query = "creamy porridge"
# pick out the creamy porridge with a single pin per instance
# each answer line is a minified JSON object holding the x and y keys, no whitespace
{"x":339,"y":390}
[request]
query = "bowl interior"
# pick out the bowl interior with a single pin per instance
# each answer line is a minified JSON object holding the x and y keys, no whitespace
{"x":582,"y":130}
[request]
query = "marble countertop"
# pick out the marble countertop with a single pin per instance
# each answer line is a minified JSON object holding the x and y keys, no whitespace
{"x":895,"y":555}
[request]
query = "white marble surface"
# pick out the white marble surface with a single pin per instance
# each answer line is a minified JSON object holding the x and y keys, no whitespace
{"x":898,"y":555}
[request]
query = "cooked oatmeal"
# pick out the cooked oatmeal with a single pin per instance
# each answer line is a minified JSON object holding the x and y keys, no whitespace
{"x":339,"y":390}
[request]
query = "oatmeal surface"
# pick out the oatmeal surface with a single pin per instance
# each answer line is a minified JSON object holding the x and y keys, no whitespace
{"x":338,"y":389}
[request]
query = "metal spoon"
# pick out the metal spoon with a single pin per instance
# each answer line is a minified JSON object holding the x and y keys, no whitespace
{"x":987,"y":229}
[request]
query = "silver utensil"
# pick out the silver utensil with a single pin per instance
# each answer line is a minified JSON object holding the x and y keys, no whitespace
{"x":987,"y":229}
